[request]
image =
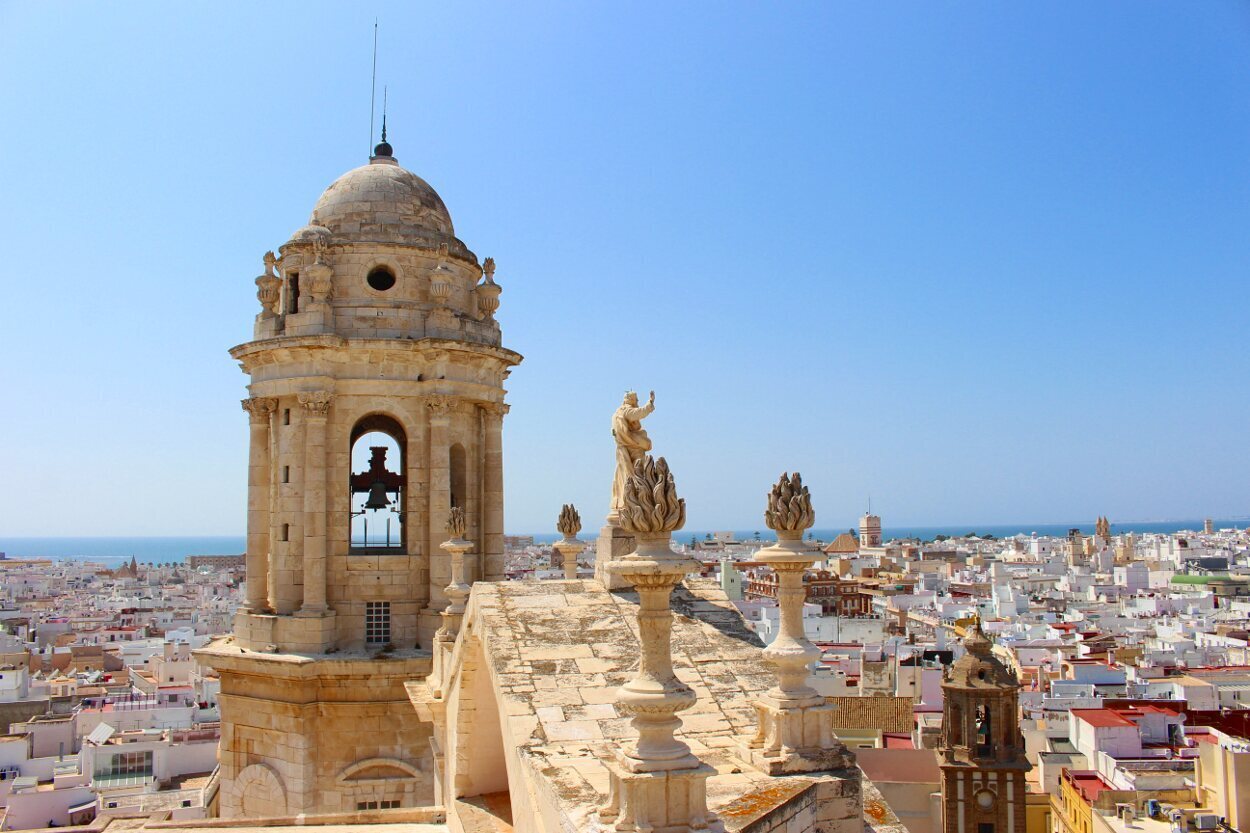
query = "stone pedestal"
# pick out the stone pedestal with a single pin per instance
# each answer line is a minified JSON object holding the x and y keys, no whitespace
{"x":569,"y":549}
{"x":457,"y":592}
{"x":795,"y":727}
{"x":672,"y":801}
{"x":791,"y":740}
{"x":614,"y":543}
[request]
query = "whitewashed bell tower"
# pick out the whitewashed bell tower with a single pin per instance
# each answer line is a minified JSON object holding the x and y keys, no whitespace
{"x":376,"y":404}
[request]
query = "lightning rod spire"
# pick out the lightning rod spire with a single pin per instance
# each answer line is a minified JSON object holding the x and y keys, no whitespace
{"x":373,"y":89}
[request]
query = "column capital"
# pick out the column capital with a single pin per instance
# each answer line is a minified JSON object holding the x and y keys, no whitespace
{"x":441,"y":404}
{"x":496,"y":409}
{"x":316,"y":403}
{"x":259,"y":407}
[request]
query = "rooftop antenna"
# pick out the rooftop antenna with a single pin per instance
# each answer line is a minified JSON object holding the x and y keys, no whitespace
{"x":373,"y":90}
{"x":383,"y":114}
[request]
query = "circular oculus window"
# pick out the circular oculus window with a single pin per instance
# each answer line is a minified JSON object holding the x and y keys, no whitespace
{"x":985,"y":799}
{"x":380,"y":278}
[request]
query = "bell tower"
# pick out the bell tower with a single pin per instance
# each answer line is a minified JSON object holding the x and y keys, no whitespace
{"x":982,"y":750}
{"x":375,"y":405}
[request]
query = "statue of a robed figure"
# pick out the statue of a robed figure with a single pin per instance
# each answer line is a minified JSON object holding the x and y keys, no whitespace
{"x":631,"y":443}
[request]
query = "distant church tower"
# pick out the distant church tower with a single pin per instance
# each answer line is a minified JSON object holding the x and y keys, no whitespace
{"x":870,"y":530}
{"x":1076,"y":548}
{"x":376,"y":404}
{"x":982,"y":750}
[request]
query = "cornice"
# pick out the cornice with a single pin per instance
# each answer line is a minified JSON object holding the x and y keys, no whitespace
{"x":253,"y":353}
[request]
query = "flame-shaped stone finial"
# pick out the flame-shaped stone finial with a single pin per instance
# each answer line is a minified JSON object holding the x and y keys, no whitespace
{"x":652,"y":506}
{"x":456,"y":522}
{"x":789,"y":509}
{"x":570,"y":522}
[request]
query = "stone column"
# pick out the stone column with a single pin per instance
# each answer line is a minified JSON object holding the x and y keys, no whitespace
{"x":795,"y":726}
{"x":492,"y":493}
{"x":316,"y":406}
{"x":275,"y":510}
{"x":259,"y":410}
{"x":439,"y":407}
{"x":656,"y":783}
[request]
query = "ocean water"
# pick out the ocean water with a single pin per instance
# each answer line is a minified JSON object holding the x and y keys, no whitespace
{"x":928,"y":533}
{"x":145,"y":550}
{"x":167,"y":550}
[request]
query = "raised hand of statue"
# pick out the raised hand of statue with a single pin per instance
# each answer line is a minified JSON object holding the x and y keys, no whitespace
{"x":651,"y":398}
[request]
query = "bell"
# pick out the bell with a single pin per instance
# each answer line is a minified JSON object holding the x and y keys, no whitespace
{"x":377,"y":497}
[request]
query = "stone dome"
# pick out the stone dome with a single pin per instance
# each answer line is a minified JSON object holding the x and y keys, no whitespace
{"x":382,"y":202}
{"x":979,"y":667}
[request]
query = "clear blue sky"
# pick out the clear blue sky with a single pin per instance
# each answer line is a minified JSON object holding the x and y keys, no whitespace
{"x":986,"y":262}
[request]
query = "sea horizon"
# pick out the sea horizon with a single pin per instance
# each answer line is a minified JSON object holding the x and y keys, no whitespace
{"x":171,"y":549}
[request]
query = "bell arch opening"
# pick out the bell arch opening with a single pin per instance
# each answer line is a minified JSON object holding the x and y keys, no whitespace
{"x":378,"y":486}
{"x":985,"y":731}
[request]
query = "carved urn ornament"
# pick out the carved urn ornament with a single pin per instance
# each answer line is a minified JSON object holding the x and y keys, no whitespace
{"x":488,"y":291}
{"x":267,"y":286}
{"x":440,"y":284}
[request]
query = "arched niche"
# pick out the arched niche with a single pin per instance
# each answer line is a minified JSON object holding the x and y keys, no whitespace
{"x":458,"y":468}
{"x":259,"y":792}
{"x":378,"y":486}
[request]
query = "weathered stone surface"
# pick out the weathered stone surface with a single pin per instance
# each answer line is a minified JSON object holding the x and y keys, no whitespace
{"x":548,"y":708}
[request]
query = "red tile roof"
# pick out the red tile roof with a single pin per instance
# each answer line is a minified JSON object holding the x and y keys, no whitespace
{"x":1102,"y":718}
{"x":897,"y":741}
{"x":1088,"y":784}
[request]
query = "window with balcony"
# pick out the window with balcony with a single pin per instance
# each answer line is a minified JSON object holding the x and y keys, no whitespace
{"x":121,"y":768}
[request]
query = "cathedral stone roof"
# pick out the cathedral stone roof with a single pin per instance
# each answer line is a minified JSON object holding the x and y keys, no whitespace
{"x":382,"y":202}
{"x":557,"y":652}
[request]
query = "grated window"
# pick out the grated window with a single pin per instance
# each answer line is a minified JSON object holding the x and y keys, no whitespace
{"x":377,"y":623}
